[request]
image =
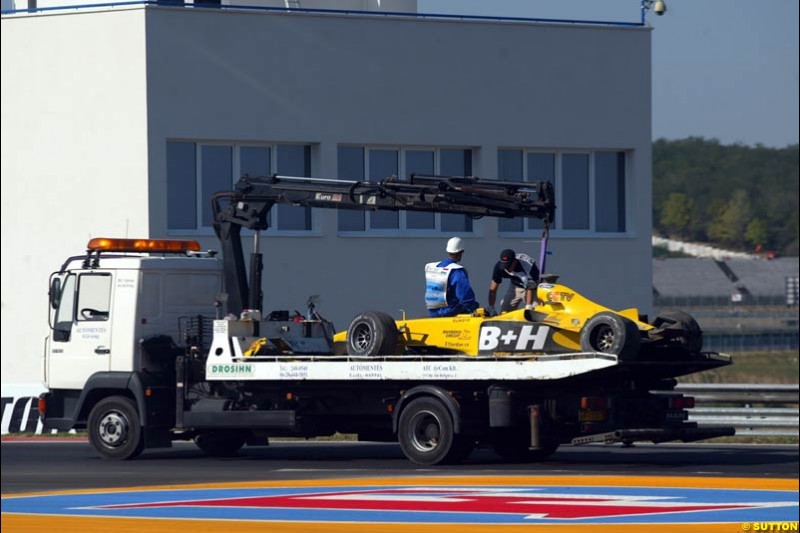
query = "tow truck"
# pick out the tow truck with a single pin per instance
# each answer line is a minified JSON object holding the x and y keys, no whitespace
{"x":155,"y":341}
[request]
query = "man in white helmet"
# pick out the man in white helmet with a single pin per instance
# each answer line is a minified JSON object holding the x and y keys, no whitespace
{"x":447,"y":289}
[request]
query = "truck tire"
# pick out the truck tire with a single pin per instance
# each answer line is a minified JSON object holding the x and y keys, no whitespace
{"x":514,"y":446}
{"x":115,"y":430}
{"x":691,"y":336}
{"x":611,"y":333}
{"x":461,"y":450}
{"x":426,"y":433}
{"x":372,"y":333}
{"x":221,"y":442}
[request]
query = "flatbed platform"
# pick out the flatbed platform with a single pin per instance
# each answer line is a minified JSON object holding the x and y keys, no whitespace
{"x":401,"y":368}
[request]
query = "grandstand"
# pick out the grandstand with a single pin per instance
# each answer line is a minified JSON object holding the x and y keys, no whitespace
{"x":740,"y":303}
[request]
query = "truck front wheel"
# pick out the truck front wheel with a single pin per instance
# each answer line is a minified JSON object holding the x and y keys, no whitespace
{"x":426,"y":434}
{"x":115,"y":430}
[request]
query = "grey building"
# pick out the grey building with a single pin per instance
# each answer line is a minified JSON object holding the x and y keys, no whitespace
{"x":124,"y":120}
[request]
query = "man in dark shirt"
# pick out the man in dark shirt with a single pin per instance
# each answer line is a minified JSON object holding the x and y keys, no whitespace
{"x":523,"y":275}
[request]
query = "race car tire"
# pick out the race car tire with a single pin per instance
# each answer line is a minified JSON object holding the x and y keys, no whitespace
{"x":221,"y":443}
{"x":426,"y":433}
{"x":611,"y":333}
{"x":691,"y":336}
{"x":372,"y":333}
{"x":115,"y":429}
{"x":513,"y":446}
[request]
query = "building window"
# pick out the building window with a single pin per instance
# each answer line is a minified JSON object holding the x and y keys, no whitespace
{"x":420,"y":162}
{"x":216,"y":174}
{"x":589,"y":187}
{"x":382,"y":164}
{"x":510,"y":168}
{"x":609,"y":191}
{"x":293,"y":160}
{"x":197,"y":170}
{"x":575,"y":182}
{"x":181,"y":185}
{"x":360,"y":162}
{"x":350,"y":166}
{"x":455,"y":163}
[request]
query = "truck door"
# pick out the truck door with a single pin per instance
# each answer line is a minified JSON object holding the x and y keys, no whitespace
{"x":81,"y":341}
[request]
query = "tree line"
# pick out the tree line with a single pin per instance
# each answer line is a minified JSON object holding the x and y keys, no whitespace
{"x":733,"y":196}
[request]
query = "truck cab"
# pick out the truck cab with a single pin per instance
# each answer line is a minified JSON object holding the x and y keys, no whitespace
{"x":108,"y":311}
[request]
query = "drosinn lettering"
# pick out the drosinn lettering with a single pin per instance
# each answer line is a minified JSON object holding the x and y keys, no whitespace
{"x":231,"y":369}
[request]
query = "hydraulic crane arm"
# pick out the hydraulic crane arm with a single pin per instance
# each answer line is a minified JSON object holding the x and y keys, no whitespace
{"x":252,"y":198}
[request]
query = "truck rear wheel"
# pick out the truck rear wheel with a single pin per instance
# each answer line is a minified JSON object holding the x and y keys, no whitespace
{"x":372,"y":333}
{"x":426,"y":434}
{"x":115,"y":429}
{"x":221,"y":443}
{"x":611,"y":333}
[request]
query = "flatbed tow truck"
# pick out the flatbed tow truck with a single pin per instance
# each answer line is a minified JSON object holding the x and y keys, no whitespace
{"x":154,"y":341}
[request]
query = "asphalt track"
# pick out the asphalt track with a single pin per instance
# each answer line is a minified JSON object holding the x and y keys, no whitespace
{"x":371,"y":488}
{"x":49,"y":466}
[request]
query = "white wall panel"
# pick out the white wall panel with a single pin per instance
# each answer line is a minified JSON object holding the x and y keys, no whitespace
{"x":74,"y":159}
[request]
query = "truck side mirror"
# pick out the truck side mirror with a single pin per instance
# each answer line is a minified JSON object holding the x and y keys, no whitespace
{"x":55,"y":292}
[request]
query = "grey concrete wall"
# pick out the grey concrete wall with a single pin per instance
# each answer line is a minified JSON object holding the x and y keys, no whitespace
{"x":89,"y":100}
{"x":327,"y":80}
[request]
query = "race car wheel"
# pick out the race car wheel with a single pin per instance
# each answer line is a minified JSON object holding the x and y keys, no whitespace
{"x":221,"y":443}
{"x":115,"y":430}
{"x":611,"y":333}
{"x":372,"y":333}
{"x":690,"y":336}
{"x":426,"y":433}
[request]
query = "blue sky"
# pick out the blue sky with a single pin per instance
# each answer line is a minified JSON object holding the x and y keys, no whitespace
{"x":725,"y":69}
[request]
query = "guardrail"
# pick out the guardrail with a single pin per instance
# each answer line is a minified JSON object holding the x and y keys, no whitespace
{"x":753,"y":409}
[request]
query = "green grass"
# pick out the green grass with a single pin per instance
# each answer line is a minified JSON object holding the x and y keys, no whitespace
{"x":753,"y":367}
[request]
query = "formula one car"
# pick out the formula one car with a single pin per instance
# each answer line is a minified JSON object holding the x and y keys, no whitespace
{"x":562,"y":322}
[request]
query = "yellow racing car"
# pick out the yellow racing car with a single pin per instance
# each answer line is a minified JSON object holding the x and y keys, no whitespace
{"x":563,"y":321}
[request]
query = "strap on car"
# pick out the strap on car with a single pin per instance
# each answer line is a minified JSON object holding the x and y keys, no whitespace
{"x":543,"y":247}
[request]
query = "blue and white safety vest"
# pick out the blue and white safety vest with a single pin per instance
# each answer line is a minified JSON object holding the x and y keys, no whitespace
{"x":436,"y":284}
